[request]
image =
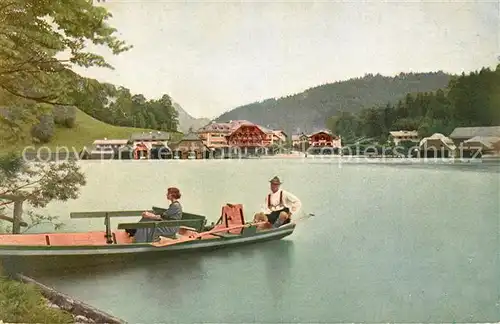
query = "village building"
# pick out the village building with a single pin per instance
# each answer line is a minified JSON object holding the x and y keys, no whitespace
{"x":324,"y":138}
{"x":214,"y":135}
{"x":269,"y":135}
{"x":300,"y":142}
{"x":106,"y":148}
{"x":105,"y":143}
{"x":476,"y":141}
{"x":478,"y":146}
{"x":403,"y":136}
{"x":150,"y":138}
{"x":125,"y":152}
{"x":143,"y":143}
{"x":437,"y":146}
{"x":248,"y":138}
{"x":190,"y":146}
{"x":279,"y":137}
{"x":236,"y":136}
{"x":461,"y":134}
{"x":324,"y":142}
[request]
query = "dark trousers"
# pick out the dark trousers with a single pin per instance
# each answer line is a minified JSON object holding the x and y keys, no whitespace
{"x":273,"y":216}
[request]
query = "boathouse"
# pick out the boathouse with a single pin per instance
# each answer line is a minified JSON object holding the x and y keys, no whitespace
{"x":141,"y":151}
{"x":160,"y":152}
{"x":437,"y":146}
{"x":106,"y":149}
{"x":147,"y":145}
{"x":461,"y":134}
{"x":190,"y":146}
{"x":478,"y":146}
{"x":125,"y":152}
{"x":109,"y":143}
{"x":153,"y":137}
{"x":473,"y":142}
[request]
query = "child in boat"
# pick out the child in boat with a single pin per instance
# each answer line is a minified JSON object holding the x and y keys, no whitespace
{"x":174,"y":212}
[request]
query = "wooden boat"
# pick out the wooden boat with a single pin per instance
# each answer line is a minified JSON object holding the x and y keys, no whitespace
{"x":26,"y":250}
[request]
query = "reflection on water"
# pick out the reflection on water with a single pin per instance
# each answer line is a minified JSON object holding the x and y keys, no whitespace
{"x":278,"y":262}
{"x":415,"y":243}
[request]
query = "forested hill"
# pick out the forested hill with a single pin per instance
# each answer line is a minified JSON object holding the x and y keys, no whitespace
{"x":471,"y":100}
{"x":309,"y":110}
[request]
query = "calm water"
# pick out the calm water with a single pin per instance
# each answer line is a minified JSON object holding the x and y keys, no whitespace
{"x":388,"y":244}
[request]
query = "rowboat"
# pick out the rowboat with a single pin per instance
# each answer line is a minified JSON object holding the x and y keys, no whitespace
{"x":95,"y":247}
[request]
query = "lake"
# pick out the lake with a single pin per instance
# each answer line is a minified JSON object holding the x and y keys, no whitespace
{"x":389,"y":243}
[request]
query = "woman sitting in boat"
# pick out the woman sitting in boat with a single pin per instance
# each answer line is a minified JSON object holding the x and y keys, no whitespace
{"x":174,"y":212}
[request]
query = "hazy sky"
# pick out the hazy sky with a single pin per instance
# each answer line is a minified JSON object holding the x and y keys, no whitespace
{"x":213,"y":56}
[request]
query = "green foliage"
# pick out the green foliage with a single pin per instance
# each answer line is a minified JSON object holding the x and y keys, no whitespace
{"x":469,"y":100}
{"x":331,"y":123}
{"x":309,"y":110}
{"x":23,"y":303}
{"x":10,"y":164}
{"x":347,"y":125}
{"x":406,"y":147}
{"x":41,"y":41}
{"x":118,"y":106}
{"x":44,"y":130}
{"x":65,"y":116}
{"x":35,"y":219}
{"x":39,"y":184}
{"x":86,"y":130}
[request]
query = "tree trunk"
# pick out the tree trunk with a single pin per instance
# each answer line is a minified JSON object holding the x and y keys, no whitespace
{"x":18,"y":213}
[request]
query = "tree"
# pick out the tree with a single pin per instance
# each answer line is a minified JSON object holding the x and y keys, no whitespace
{"x":331,"y":123}
{"x":44,"y":130}
{"x":65,"y":116}
{"x":36,"y":184}
{"x":469,"y":100}
{"x":41,"y":40}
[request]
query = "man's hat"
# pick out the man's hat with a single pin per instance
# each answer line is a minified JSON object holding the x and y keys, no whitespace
{"x":275,"y":180}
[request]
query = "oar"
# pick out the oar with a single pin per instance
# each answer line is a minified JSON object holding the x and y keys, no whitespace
{"x":305,"y":216}
{"x":225,"y":229}
{"x":196,"y":236}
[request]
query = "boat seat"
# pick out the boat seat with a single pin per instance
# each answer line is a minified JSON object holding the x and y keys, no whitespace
{"x":186,"y":230}
{"x":232,"y":215}
{"x":67,"y":239}
{"x":23,"y":239}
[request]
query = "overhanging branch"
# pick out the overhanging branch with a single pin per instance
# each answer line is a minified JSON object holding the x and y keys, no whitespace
{"x":44,"y":99}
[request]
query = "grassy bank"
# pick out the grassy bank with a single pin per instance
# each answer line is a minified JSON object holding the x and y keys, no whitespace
{"x":23,"y":303}
{"x":86,"y":131}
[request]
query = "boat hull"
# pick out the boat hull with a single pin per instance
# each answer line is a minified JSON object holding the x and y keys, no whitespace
{"x":20,"y":259}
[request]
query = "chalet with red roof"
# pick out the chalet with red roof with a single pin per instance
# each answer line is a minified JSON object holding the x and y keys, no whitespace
{"x":239,"y":134}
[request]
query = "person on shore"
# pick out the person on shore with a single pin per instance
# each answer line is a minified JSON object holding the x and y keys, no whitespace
{"x":173,"y":212}
{"x":279,"y":206}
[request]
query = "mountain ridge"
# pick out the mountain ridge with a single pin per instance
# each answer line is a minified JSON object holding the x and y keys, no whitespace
{"x":186,"y":121}
{"x":308,"y":110}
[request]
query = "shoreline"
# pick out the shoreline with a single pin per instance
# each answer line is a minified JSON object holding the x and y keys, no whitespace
{"x":81,"y":312}
{"x":347,"y":159}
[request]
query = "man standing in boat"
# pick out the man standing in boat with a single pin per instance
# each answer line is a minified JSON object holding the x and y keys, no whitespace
{"x":279,"y":206}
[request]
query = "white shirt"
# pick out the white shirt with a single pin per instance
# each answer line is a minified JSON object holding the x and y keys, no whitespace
{"x":289,"y":200}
